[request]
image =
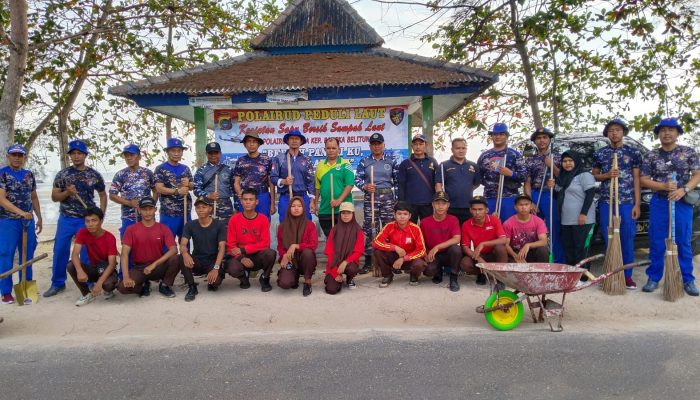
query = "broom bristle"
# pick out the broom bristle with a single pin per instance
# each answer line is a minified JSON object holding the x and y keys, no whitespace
{"x":673,"y":281}
{"x":614,"y":284}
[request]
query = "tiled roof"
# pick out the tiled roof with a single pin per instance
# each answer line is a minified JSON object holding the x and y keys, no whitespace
{"x":260,"y":71}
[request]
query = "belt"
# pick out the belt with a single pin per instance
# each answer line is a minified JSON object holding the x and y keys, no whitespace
{"x":299,"y":194}
{"x":384,"y":191}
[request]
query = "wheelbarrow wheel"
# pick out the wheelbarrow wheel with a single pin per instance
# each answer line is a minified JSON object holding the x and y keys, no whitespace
{"x":507,"y":319}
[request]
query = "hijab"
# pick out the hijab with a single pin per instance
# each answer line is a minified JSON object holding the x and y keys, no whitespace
{"x":293,"y":227}
{"x":344,"y":239}
{"x":565,"y":178}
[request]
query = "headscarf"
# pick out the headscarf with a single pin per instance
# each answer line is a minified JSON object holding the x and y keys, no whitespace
{"x":566,"y":177}
{"x":344,"y":239}
{"x":293,"y":227}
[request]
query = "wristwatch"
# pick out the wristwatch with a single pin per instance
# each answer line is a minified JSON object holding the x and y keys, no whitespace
{"x":687,"y":189}
{"x":217,"y":267}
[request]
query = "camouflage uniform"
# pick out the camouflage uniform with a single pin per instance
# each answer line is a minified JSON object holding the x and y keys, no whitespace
{"x":205,"y":174}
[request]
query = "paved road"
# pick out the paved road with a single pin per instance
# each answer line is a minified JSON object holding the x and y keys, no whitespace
{"x":507,"y":365}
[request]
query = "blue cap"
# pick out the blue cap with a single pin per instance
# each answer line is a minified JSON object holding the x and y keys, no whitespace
{"x":79,"y":145}
{"x":294,"y":132}
{"x":175,"y":143}
{"x":420,"y":137}
{"x":543,"y":131}
{"x":498,"y":127}
{"x":131,"y":149}
{"x":670,"y":123}
{"x":616,"y":121}
{"x":16,"y":148}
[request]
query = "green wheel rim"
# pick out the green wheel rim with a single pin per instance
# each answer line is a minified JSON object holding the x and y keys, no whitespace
{"x":504,"y":320}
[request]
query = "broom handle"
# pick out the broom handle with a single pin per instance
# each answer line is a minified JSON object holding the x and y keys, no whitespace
{"x":216,"y":190}
{"x":442,"y":176}
{"x":332,"y":209}
{"x":184,"y":182}
{"x":617,"y":187}
{"x":25,"y":228}
{"x":672,"y":216}
{"x":501,"y":180}
{"x":371,"y":196}
{"x":289,"y":173}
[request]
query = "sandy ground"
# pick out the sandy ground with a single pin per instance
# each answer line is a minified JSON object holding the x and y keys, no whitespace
{"x":233,"y":314}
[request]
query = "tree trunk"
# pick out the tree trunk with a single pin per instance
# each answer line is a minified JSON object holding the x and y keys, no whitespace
{"x":12,"y":90}
{"x":521,"y":46}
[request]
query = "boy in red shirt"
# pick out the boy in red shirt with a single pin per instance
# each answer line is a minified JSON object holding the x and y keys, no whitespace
{"x":400,"y":246}
{"x":101,"y":248}
{"x":485,"y":234}
{"x":248,"y":243}
{"x":143,"y":242}
{"x":442,"y":236}
{"x":526,"y":233}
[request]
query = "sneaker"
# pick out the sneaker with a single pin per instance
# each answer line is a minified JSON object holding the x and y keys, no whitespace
{"x":191,"y":293}
{"x":365,"y":269}
{"x":108,"y":295}
{"x":28,"y":300}
{"x":691,"y":289}
{"x":481,"y":279}
{"x":650,"y":286}
{"x":265,"y":283}
{"x":351,"y":284}
{"x":145,"y":289}
{"x":437,"y":278}
{"x":386,"y":282}
{"x":53,"y":290}
{"x":166,"y":290}
{"x":83,"y":300}
{"x":413,"y":281}
{"x":454,"y":284}
{"x":630,"y":284}
{"x":307,"y":290}
{"x":8,"y":299}
{"x":245,"y":281}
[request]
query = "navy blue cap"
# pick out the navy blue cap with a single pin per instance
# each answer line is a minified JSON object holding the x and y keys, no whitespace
{"x":79,"y":145}
{"x":294,"y":132}
{"x":616,"y":121}
{"x":420,"y":137}
{"x":543,"y":131}
{"x":16,"y":148}
{"x":478,"y":200}
{"x":213,"y":146}
{"x":131,"y":149}
{"x":498,"y":127}
{"x":669,"y":123}
{"x":441,"y":196}
{"x":147,"y":202}
{"x":175,"y":143}
{"x":376,"y":137}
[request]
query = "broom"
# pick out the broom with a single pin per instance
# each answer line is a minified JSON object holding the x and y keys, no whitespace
{"x":673,"y":282}
{"x":615,"y":284}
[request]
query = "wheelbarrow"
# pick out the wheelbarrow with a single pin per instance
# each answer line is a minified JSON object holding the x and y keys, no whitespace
{"x":532,"y":282}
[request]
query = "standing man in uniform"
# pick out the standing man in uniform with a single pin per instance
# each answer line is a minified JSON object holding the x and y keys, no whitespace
{"x":253,"y":171}
{"x":657,"y":171}
{"x":18,"y":204}
{"x":130,"y":185}
{"x":538,"y":169}
{"x":386,"y":174}
{"x":417,"y":176}
{"x":461,"y":177}
{"x":302,"y":178}
{"x":491,"y":168}
{"x":74,"y":187}
{"x":173,"y":183}
{"x":336,"y":168}
{"x":215,"y":175}
{"x":629,"y":189}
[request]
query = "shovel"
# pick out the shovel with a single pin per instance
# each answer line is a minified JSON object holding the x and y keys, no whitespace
{"x":25,"y":291}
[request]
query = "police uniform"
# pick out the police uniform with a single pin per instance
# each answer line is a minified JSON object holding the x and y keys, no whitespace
{"x":204,"y":184}
{"x":131,"y":184}
{"x":18,"y":186}
{"x":386,"y":171}
{"x":302,"y":171}
{"x":417,"y":176}
{"x":460,"y":180}
{"x":172,"y":206}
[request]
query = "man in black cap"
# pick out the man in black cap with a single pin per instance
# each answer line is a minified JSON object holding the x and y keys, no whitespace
{"x":143,"y":244}
{"x":209,"y":238}
{"x":526,"y":233}
{"x":417,"y":176}
{"x":442,"y":235}
{"x":383,"y":170}
{"x":214,"y":180}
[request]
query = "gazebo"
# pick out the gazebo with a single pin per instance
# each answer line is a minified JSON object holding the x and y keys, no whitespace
{"x":319,"y":54}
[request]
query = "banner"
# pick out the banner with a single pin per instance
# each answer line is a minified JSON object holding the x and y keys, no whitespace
{"x":351,"y":126}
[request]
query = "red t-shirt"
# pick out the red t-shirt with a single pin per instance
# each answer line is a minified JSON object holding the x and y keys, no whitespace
{"x":147,"y":243}
{"x":251,"y":235}
{"x":473,"y":234}
{"x":436,"y":232}
{"x":521,"y":233}
{"x":98,"y":248}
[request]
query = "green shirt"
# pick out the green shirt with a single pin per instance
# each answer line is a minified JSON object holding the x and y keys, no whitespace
{"x":342,"y":175}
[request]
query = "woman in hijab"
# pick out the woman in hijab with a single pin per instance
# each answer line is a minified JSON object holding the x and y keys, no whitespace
{"x":297,"y":241}
{"x":575,"y":189}
{"x":344,"y":247}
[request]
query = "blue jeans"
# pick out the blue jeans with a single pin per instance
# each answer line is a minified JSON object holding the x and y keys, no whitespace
{"x":11,"y":241}
{"x":65,"y":231}
{"x":263,"y":206}
{"x":125,"y":224}
{"x":284,"y":203}
{"x":555,"y":235}
{"x":507,"y":207}
{"x":175,"y":224}
{"x":628,"y":230}
{"x":658,"y":232}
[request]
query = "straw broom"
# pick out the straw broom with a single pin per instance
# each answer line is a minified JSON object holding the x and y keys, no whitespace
{"x":673,"y":282}
{"x":615,"y":284}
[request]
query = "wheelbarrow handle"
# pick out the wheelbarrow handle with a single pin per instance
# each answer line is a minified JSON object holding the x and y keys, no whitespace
{"x":589,"y":259}
{"x":19,"y":267}
{"x":593,"y":279}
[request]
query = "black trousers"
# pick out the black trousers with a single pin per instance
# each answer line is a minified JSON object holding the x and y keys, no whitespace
{"x":573,"y":240}
{"x":326,"y":223}
{"x":462,"y":214}
{"x":421,"y":211}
